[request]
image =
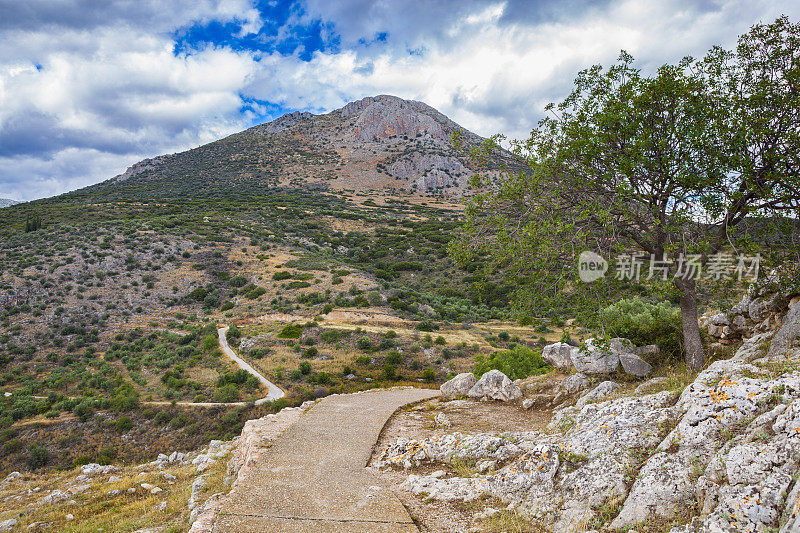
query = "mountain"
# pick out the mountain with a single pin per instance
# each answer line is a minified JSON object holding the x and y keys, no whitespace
{"x":6,"y":202}
{"x":381,"y":143}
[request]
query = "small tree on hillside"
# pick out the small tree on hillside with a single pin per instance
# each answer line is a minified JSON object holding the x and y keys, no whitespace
{"x":665,"y":164}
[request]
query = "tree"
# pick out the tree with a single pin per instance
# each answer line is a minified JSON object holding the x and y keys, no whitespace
{"x":664,"y":164}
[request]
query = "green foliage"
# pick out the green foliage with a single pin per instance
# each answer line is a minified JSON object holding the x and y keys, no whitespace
{"x":645,"y":323}
{"x":517,"y":363}
{"x":124,"y":423}
{"x":281,"y":275}
{"x":364,"y":343}
{"x":227,"y":393}
{"x":290,"y":331}
{"x":38,"y":456}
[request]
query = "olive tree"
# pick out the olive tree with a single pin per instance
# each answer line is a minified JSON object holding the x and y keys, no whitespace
{"x":666,"y":164}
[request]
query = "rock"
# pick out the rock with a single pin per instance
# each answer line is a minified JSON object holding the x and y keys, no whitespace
{"x":69,"y":516}
{"x":115,"y":492}
{"x":484,"y":465}
{"x":458,"y":386}
{"x":603,"y":390}
{"x":55,"y":496}
{"x":147,"y":486}
{"x":169,"y":477}
{"x":591,"y":358}
{"x":8,"y":525}
{"x":162,"y":506}
{"x":720,"y":319}
{"x":79,"y":489}
{"x":634,"y":365}
{"x":156,"y":490}
{"x":756,"y":310}
{"x":753,"y":348}
{"x":93,"y":469}
{"x":558,"y":355}
{"x":114,"y":479}
{"x":442,"y":420}
{"x":494,"y":385}
{"x":528,"y":403}
{"x":574,"y":383}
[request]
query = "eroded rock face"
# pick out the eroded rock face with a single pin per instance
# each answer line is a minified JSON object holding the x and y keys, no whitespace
{"x":558,"y":355}
{"x":726,"y":451}
{"x":574,"y":383}
{"x":459,"y":386}
{"x":494,"y":385}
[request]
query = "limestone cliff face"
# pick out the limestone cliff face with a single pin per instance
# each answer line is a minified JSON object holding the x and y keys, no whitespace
{"x":381,"y":144}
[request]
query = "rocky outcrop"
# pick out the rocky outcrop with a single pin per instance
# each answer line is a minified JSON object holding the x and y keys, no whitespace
{"x":459,"y":386}
{"x":595,"y":357}
{"x":494,"y":385}
{"x":722,"y":455}
{"x":558,"y":355}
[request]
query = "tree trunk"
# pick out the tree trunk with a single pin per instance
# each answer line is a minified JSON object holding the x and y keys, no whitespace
{"x":692,"y":343}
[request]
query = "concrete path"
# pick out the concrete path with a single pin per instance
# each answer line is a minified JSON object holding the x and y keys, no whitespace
{"x":313,"y":478}
{"x":273,"y":391}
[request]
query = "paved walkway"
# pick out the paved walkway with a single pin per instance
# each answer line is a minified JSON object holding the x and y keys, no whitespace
{"x":273,"y":391}
{"x":313,"y":478}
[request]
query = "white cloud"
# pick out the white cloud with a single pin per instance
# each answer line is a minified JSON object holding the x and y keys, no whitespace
{"x":108,"y":89}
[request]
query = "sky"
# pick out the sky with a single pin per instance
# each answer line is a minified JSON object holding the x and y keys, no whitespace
{"x":89,"y":87}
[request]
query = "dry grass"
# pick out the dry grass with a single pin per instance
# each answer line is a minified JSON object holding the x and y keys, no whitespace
{"x":96,"y":510}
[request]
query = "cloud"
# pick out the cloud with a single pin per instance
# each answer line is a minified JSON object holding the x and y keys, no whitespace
{"x":88,"y":87}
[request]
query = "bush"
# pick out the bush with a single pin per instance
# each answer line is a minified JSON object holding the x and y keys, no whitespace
{"x":363,"y":343}
{"x":517,"y":363}
{"x":644,"y":323}
{"x":304,"y":367}
{"x":394,"y":357}
{"x":226,"y":393}
{"x":281,"y":275}
{"x":124,"y":424}
{"x":390,"y":373}
{"x":238,"y":281}
{"x":310,"y":353}
{"x":38,"y":456}
{"x":440,"y":341}
{"x":428,"y":375}
{"x":290,"y":331}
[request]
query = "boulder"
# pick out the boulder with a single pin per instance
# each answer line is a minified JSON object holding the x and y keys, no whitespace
{"x":634,"y":365}
{"x":574,"y":383}
{"x":720,"y":319}
{"x":494,"y":385}
{"x":442,"y":420}
{"x":592,"y":358}
{"x":558,"y":355}
{"x":8,"y":525}
{"x":459,"y":385}
{"x":602,"y":391}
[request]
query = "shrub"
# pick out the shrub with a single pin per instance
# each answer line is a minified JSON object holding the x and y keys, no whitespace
{"x":238,"y":281}
{"x":281,"y":275}
{"x":440,"y":341}
{"x":363,"y":343}
{"x":226,"y":393}
{"x":390,"y":373}
{"x":517,"y":363}
{"x":394,"y":357}
{"x":304,"y":367}
{"x":310,"y":353}
{"x":38,"y":456}
{"x":428,"y":375}
{"x":290,"y":331}
{"x":124,"y":424}
{"x":644,"y":323}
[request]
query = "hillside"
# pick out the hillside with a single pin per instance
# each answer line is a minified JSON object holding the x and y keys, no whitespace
{"x":380,"y":144}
